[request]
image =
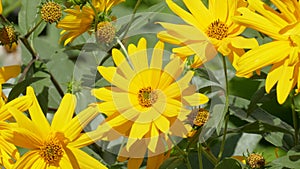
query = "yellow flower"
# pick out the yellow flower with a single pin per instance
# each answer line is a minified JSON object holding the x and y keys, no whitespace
{"x":147,"y":102}
{"x":80,"y":20}
{"x":105,"y":5}
{"x":0,"y":7}
{"x":207,"y":30}
{"x":56,"y":145}
{"x":282,"y":53}
{"x":8,"y":151}
{"x":76,"y":23}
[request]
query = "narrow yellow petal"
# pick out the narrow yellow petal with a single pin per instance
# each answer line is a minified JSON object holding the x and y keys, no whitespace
{"x":86,"y":161}
{"x":111,"y":75}
{"x":103,"y":93}
{"x":219,"y":9}
{"x":244,"y":43}
{"x":166,"y":36}
{"x":162,"y":123}
{"x":262,"y":56}
{"x":122,"y":63}
{"x":64,"y":113}
{"x":285,"y":83}
{"x":154,"y":138}
{"x":273,"y":76}
{"x":154,"y":162}
{"x":186,"y":16}
{"x":139,"y":58}
{"x":200,"y":12}
{"x":171,"y":72}
{"x":258,"y":22}
{"x":28,"y":159}
{"x":37,"y":115}
{"x":138,"y":130}
{"x":73,"y":129}
{"x":195,"y":99}
{"x":157,"y":55}
{"x":0,"y":7}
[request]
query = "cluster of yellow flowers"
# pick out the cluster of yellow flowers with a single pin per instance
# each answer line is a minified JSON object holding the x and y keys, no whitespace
{"x":147,"y":101}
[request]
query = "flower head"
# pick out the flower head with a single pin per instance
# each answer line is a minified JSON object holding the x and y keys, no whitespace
{"x":8,"y":35}
{"x":55,"y":145}
{"x":80,"y":20}
{"x":207,"y":30}
{"x":283,"y":26}
{"x":255,"y":161}
{"x":106,"y":32}
{"x":77,"y":21}
{"x":147,"y":102}
{"x":51,"y":12}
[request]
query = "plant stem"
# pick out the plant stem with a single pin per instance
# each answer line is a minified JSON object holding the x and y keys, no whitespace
{"x":295,"y":121}
{"x":56,"y":84}
{"x":209,"y":155}
{"x":26,"y":69}
{"x":182,"y":153}
{"x":199,"y":150}
{"x":12,"y":7}
{"x":33,"y":29}
{"x":132,"y":18}
{"x":225,"y":109}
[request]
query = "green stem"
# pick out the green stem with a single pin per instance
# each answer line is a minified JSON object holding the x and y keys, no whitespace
{"x":295,"y":121}
{"x":123,"y":48}
{"x":209,"y":155}
{"x":28,"y":47}
{"x":4,"y":19}
{"x":200,"y":155}
{"x":132,"y":18}
{"x":182,"y":153}
{"x":224,"y":137}
{"x":96,"y":16}
{"x":225,"y":109}
{"x":33,"y":29}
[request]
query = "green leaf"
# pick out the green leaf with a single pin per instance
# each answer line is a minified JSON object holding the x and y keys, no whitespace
{"x":28,"y":14}
{"x":291,"y":160}
{"x":228,"y":163}
{"x":21,"y":87}
{"x":243,"y":87}
{"x":173,"y":163}
{"x":259,"y":127}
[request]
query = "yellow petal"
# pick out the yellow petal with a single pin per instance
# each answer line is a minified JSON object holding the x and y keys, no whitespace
{"x":0,"y":7}
{"x":262,"y":56}
{"x":195,"y":99}
{"x":200,"y":12}
{"x":187,"y":17}
{"x":111,"y":75}
{"x":273,"y":76}
{"x":86,"y":161}
{"x":166,"y":36}
{"x":139,"y":58}
{"x":157,"y":55}
{"x":122,"y":63}
{"x":37,"y":115}
{"x":8,"y":72}
{"x":154,"y":138}
{"x":78,"y":123}
{"x":138,"y":130}
{"x":21,"y":103}
{"x":219,"y":8}
{"x":64,"y":113}
{"x":285,"y":83}
{"x":28,"y":159}
{"x":258,"y":22}
{"x":154,"y":162}
{"x":284,"y":9}
{"x":171,"y":72}
{"x":103,"y":93}
{"x":162,"y":123}
{"x":241,"y":42}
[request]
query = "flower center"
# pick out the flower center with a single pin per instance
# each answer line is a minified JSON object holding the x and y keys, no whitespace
{"x":255,"y":160}
{"x":201,"y":118}
{"x":51,"y":151}
{"x":147,"y":97}
{"x":51,"y":12}
{"x":217,"y":30}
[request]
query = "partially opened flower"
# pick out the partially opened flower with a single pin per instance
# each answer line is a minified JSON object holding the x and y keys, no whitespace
{"x":146,"y":102}
{"x":55,"y":146}
{"x":81,"y":19}
{"x":283,"y":26}
{"x":207,"y":30}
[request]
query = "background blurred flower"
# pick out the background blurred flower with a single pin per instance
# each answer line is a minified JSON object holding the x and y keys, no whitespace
{"x":207,"y":30}
{"x":282,"y":53}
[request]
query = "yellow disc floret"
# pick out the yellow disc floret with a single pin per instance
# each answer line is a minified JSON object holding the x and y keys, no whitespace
{"x":51,"y":12}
